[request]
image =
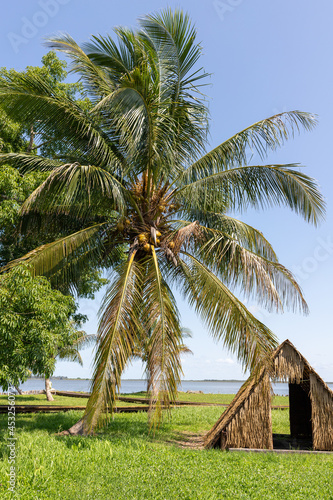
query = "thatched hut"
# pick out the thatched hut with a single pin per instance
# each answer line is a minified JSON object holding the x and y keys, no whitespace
{"x":247,"y":421}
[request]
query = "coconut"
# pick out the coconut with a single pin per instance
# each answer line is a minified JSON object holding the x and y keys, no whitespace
{"x":171,"y":245}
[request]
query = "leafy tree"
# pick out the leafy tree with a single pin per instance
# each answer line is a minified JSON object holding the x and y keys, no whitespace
{"x":16,"y":237}
{"x":14,"y":190}
{"x":11,"y":135}
{"x":17,"y":135}
{"x":34,"y":325}
{"x":138,"y":167}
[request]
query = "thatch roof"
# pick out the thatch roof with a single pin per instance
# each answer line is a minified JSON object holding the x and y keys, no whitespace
{"x":247,"y":421}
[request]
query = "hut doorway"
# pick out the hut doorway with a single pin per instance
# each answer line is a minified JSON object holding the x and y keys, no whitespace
{"x":300,"y":414}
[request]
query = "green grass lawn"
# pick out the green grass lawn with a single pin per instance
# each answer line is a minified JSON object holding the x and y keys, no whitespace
{"x":213,"y":398}
{"x":125,"y":461}
{"x":40,"y":399}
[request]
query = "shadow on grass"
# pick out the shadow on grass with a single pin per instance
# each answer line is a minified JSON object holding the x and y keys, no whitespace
{"x":21,"y":399}
{"x":122,"y":428}
{"x":51,"y":422}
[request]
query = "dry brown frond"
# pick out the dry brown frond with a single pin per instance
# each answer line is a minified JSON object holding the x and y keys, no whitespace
{"x":184,"y":235}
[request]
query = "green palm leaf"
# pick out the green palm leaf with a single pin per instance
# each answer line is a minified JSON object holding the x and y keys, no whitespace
{"x":262,"y":136}
{"x":162,"y":320}
{"x":267,"y":281}
{"x":72,"y":184}
{"x":117,"y":334}
{"x":27,"y":163}
{"x":28,"y":99}
{"x":65,"y":256}
{"x":258,"y":187}
{"x":232,"y":229}
{"x":226,"y":317}
{"x":95,"y":79}
{"x":72,"y":352}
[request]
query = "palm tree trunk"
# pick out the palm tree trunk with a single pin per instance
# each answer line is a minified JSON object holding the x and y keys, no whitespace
{"x":76,"y":430}
{"x":18,"y":390}
{"x":49,"y":396}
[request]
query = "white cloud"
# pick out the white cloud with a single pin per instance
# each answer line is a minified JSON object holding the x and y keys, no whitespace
{"x":227,"y":361}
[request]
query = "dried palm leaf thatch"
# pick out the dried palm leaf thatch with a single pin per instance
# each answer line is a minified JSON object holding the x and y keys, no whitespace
{"x":322,"y":413}
{"x":247,"y":421}
{"x":288,"y":364}
{"x":252,"y":425}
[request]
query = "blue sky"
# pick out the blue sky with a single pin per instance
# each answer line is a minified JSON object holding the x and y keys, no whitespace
{"x":265,"y":58}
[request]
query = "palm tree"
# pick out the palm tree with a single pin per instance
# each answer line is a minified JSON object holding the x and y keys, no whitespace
{"x":139,"y":166}
{"x":70,"y":352}
{"x":144,"y":346}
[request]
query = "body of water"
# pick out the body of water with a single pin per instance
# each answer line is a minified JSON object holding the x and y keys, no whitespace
{"x":131,"y":386}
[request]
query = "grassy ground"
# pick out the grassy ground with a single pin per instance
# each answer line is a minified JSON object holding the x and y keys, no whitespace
{"x":125,"y":462}
{"x":213,"y":398}
{"x":40,"y":399}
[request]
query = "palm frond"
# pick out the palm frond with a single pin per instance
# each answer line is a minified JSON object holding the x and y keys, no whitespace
{"x":63,"y":258}
{"x":262,"y":136}
{"x":27,"y":163}
{"x":233,"y":229}
{"x":270,"y":283}
{"x":116,"y":59}
{"x":226,"y":317}
{"x":128,"y":112}
{"x":70,"y":353}
{"x":95,"y":79}
{"x":116,"y":340}
{"x":75,"y":184}
{"x":173,"y":35}
{"x":162,"y":320}
{"x":28,"y":99}
{"x":255,"y":186}
{"x":85,"y":340}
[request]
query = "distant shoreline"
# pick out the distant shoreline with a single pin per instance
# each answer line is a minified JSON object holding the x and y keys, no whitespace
{"x":141,"y":379}
{"x":145,"y":380}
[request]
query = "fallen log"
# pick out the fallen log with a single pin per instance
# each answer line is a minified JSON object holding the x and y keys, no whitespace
{"x":133,"y":399}
{"x":55,"y":409}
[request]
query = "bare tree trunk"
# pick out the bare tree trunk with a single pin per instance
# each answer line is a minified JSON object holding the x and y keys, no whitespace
{"x":49,"y":396}
{"x":18,"y":390}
